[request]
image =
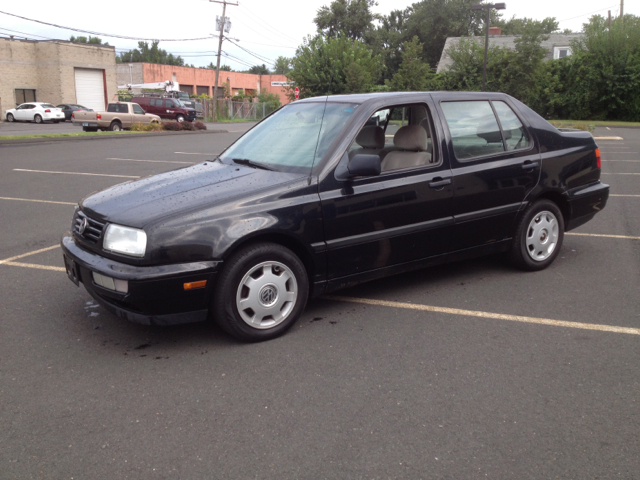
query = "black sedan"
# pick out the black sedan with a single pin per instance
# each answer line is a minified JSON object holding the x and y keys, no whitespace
{"x":315,"y":198}
{"x":69,"y":108}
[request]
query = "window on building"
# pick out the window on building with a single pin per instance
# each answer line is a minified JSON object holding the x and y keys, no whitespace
{"x":25,"y":95}
{"x":561,"y":52}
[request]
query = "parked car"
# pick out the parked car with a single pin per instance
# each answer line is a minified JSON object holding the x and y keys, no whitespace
{"x":312,"y":199}
{"x":69,"y":108}
{"x":35,"y":112}
{"x":168,"y":108}
{"x":119,"y":116}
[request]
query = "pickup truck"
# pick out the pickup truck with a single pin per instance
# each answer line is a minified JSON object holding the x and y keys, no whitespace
{"x":119,"y":116}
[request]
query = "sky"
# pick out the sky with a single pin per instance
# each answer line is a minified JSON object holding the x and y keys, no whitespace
{"x":260,"y":31}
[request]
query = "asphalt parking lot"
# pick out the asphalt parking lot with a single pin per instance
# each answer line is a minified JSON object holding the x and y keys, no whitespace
{"x":467,"y":370}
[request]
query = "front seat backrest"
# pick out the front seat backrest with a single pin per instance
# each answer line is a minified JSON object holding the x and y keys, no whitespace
{"x":411,"y":142}
{"x":371,"y":139}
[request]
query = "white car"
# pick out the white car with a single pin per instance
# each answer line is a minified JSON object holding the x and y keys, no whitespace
{"x":35,"y":112}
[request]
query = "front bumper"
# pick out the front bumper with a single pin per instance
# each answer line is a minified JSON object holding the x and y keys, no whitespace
{"x":155,"y":295}
{"x":585,"y":202}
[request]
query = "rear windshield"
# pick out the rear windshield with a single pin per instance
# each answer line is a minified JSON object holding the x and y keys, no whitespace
{"x":118,"y":108}
{"x":48,"y":105}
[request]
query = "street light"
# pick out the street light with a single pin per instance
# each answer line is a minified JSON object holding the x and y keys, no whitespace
{"x":487,"y":7}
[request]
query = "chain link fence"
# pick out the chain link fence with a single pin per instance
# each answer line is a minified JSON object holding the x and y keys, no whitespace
{"x":230,"y":110}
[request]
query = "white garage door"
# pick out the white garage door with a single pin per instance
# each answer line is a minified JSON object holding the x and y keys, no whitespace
{"x":90,"y":88}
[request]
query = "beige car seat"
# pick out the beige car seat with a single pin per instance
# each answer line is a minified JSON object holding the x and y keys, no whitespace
{"x":411,"y":143}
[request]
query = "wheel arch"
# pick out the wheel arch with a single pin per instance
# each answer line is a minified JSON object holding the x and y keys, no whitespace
{"x":557,"y":198}
{"x":287,"y":241}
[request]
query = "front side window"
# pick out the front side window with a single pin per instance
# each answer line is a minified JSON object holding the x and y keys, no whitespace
{"x":168,"y":103}
{"x":138,"y":109}
{"x":294,"y":137}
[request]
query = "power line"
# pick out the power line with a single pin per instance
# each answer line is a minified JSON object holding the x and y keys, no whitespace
{"x":585,"y":14}
{"x":125,"y":37}
{"x":253,"y":54}
{"x":261,"y":22}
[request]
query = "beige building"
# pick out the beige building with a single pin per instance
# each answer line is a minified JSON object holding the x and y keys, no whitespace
{"x":56,"y":72}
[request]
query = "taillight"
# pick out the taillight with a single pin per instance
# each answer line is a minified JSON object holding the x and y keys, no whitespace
{"x":598,"y":161}
{"x":73,"y":115}
{"x":98,"y":116}
{"x":47,"y":111}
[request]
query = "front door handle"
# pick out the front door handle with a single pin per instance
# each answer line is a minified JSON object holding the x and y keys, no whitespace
{"x":439,"y":182}
{"x":529,"y":164}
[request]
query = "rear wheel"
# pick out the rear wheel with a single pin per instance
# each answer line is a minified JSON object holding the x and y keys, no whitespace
{"x":538,"y":237}
{"x":115,"y":127}
{"x":260,"y":293}
{"x":37,"y":119}
{"x":10,"y":118}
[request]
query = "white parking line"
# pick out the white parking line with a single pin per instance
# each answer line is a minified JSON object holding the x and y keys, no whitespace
{"x":7,"y":260}
{"x":606,"y":173}
{"x":632,"y":161}
{"x":496,"y":316}
{"x":608,"y":138}
{"x":191,"y":153}
{"x":39,"y":201}
{"x":601,"y":235}
{"x":74,"y":173}
{"x":620,"y":195}
{"x":150,"y":161}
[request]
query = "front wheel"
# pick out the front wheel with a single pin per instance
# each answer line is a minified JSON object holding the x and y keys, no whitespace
{"x":10,"y":118}
{"x":180,"y":118}
{"x":538,"y":237}
{"x":260,"y":293}
{"x":37,"y":119}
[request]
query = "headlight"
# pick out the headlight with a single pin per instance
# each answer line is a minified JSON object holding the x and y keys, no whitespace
{"x":130,"y":241}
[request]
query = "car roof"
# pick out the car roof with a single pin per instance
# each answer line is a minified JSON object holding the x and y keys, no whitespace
{"x":402,"y":96}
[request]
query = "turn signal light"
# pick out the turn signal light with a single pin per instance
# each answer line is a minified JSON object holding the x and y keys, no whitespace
{"x":194,"y":285}
{"x":598,"y":161}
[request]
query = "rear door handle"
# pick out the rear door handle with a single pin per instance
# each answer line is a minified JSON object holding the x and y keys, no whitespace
{"x":529,"y":164}
{"x":439,"y":182}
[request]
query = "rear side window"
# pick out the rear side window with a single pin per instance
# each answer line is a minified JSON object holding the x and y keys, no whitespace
{"x":515,"y":135}
{"x":118,"y":108}
{"x":474,"y":129}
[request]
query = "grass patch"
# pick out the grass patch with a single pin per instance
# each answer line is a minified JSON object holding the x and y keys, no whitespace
{"x":235,"y":120}
{"x":58,"y":135}
{"x":592,"y":123}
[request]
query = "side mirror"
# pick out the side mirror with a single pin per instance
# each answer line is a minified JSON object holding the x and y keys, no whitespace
{"x":361,"y":165}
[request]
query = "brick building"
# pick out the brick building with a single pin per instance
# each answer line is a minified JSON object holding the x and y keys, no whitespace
{"x":200,"y":80}
{"x":56,"y":72}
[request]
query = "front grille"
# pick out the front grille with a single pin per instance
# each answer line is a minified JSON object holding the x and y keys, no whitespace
{"x":93,"y":229}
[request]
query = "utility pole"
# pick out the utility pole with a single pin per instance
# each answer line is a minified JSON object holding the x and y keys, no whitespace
{"x":222,"y":30}
{"x":487,"y":7}
{"x":622,"y":10}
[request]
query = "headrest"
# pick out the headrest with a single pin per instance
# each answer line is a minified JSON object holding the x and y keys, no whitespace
{"x":411,"y":137}
{"x":490,"y":131}
{"x":371,"y":137}
{"x":424,"y":123}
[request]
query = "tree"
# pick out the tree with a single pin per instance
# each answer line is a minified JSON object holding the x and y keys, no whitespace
{"x":352,"y":18}
{"x":259,"y":70}
{"x":518,"y":26}
{"x":413,"y":74}
{"x":211,"y":66}
{"x":91,"y":40}
{"x":150,"y":54}
{"x":338,"y":65}
{"x":282,"y":66}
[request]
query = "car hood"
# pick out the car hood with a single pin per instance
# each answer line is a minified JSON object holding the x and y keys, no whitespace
{"x":206,"y":185}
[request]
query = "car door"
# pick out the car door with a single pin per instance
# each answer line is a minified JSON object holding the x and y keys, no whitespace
{"x":397,"y":217}
{"x":495,"y":164}
{"x":139,"y":115}
{"x":22,"y":112}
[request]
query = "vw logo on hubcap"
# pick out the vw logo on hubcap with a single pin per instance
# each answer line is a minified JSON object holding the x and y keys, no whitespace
{"x":268,"y":295}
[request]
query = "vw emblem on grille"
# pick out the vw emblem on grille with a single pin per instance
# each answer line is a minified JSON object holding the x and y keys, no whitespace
{"x":268,"y":295}
{"x":82,"y":226}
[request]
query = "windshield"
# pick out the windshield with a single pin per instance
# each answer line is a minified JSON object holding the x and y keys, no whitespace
{"x":183,"y":95}
{"x":287,"y":140}
{"x":178,"y":103}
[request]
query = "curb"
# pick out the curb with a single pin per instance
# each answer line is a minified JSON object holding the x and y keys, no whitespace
{"x":19,"y":141}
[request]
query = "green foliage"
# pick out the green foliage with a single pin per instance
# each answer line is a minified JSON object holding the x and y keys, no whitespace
{"x":150,"y":54}
{"x":125,"y":95}
{"x":349,"y":66}
{"x":413,"y":74}
{"x":91,"y":40}
{"x":282,"y":66}
{"x":259,"y":70}
{"x":211,"y":66}
{"x":351,"y":18}
{"x":518,"y":26}
{"x":272,"y":99}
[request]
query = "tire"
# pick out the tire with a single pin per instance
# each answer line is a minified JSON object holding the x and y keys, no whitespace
{"x":180,"y":118}
{"x":538,"y":237}
{"x":10,"y":118}
{"x":37,"y":119}
{"x":261,"y":292}
{"x":115,"y":127}
{"x":56,"y":121}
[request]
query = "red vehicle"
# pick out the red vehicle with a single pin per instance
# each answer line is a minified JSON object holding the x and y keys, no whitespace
{"x":169,"y":108}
